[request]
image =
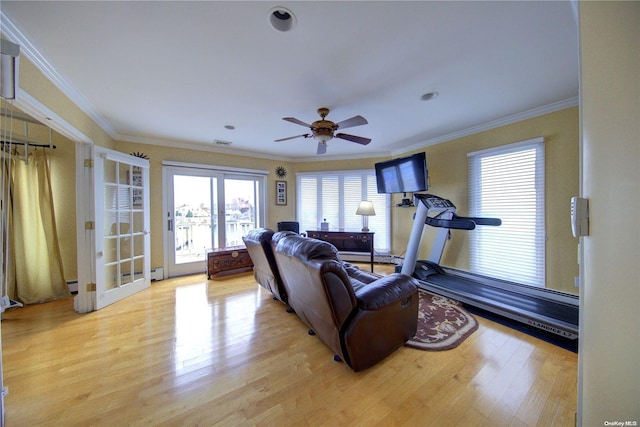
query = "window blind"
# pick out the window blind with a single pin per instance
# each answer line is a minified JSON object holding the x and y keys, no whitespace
{"x":335,"y":196}
{"x":508,"y":183}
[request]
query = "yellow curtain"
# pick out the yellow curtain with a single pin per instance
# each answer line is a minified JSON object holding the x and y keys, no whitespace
{"x":34,"y":267}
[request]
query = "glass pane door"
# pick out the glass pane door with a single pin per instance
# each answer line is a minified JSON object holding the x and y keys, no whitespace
{"x":195,"y":213}
{"x":240,"y":213}
{"x":192,"y":218}
{"x":207,"y":209}
{"x":122,"y":224}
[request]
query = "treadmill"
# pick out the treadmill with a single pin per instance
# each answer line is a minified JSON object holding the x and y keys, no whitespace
{"x":547,"y":310}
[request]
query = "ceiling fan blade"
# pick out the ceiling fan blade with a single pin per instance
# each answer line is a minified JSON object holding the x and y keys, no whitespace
{"x":306,"y":135}
{"x":322,"y":148}
{"x":353,"y":138}
{"x":296,"y":121}
{"x":353,"y":121}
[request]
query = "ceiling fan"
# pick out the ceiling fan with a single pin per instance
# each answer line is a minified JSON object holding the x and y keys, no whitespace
{"x":324,"y":130}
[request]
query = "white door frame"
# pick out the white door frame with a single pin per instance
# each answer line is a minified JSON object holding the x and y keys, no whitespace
{"x":168,"y":167}
{"x":83,"y":302}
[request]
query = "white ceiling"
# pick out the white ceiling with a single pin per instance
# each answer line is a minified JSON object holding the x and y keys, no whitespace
{"x":178,"y":72}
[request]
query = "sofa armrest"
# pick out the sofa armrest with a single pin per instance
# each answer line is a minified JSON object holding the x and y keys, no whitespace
{"x":387,"y":316}
{"x":386,"y":290}
{"x":354,"y":272}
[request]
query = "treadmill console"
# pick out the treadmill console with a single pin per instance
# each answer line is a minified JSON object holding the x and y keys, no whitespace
{"x":434,"y":202}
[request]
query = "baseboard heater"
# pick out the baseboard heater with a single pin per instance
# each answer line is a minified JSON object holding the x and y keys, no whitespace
{"x":366,"y":258}
{"x":157,"y":273}
{"x":73,"y":286}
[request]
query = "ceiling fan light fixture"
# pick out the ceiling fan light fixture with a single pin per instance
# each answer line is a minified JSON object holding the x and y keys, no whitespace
{"x":324,"y":138}
{"x":282,"y":19}
{"x":323,"y":130}
{"x":323,"y":135}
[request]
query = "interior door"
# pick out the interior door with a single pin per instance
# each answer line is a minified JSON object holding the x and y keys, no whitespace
{"x":122,"y":240}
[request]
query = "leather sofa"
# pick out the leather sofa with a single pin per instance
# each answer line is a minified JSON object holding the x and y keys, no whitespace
{"x":259,"y":244}
{"x":362,"y":317}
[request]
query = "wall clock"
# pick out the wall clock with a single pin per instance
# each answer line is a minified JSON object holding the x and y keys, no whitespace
{"x":281,"y":172}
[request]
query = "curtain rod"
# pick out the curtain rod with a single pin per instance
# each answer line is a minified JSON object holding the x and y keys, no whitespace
{"x":30,"y":144}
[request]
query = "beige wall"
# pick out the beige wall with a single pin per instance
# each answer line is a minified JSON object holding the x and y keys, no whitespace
{"x":448,"y":178}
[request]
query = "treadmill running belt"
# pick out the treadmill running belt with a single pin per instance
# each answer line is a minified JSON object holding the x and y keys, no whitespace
{"x":555,"y":310}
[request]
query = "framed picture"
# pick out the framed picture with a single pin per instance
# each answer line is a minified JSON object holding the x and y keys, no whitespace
{"x":281,"y":192}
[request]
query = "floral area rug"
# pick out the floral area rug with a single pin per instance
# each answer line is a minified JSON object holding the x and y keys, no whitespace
{"x":442,"y":323}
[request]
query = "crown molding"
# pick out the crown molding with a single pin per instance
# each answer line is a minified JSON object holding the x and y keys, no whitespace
{"x":34,"y":108}
{"x":29,"y":51}
{"x":325,"y":158}
{"x":174,"y":143}
{"x":529,"y":114}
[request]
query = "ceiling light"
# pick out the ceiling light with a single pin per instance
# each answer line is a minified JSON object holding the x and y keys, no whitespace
{"x":429,"y":96}
{"x":282,"y":19}
{"x":230,"y":127}
{"x":323,"y":135}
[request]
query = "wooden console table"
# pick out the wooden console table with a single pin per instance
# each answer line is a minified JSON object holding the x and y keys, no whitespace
{"x":230,"y":260}
{"x":347,"y":241}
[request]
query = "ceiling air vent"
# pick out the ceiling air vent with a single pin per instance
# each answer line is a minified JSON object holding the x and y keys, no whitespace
{"x":220,"y":142}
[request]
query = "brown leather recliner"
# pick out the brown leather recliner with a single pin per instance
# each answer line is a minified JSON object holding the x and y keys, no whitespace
{"x":363,"y":318}
{"x":265,"y":270}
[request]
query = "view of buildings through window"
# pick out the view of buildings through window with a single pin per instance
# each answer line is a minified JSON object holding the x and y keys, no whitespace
{"x":198,"y":220}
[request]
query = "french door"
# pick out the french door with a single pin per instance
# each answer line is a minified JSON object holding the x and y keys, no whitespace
{"x":122,"y":241}
{"x":207,"y":209}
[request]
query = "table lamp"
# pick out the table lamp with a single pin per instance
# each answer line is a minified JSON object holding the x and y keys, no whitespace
{"x":366,"y":210}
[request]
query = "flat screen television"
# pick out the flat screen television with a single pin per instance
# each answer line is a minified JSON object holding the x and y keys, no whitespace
{"x":403,"y":175}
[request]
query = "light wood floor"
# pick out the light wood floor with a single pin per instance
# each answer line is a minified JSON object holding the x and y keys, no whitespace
{"x":191,"y":351}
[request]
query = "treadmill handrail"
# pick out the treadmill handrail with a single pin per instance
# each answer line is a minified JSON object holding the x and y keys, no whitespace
{"x":457,"y":224}
{"x":481,"y":221}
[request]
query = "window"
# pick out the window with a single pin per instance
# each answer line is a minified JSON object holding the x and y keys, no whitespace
{"x":508,"y":183}
{"x":335,"y":196}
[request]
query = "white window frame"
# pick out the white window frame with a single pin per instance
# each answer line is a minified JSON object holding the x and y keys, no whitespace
{"x":507,"y":182}
{"x":340,"y":210}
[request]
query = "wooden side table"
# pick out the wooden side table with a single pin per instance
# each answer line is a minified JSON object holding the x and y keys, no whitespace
{"x":230,"y":260}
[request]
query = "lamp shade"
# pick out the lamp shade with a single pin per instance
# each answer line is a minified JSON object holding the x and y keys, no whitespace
{"x":323,"y":135}
{"x":366,"y":208}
